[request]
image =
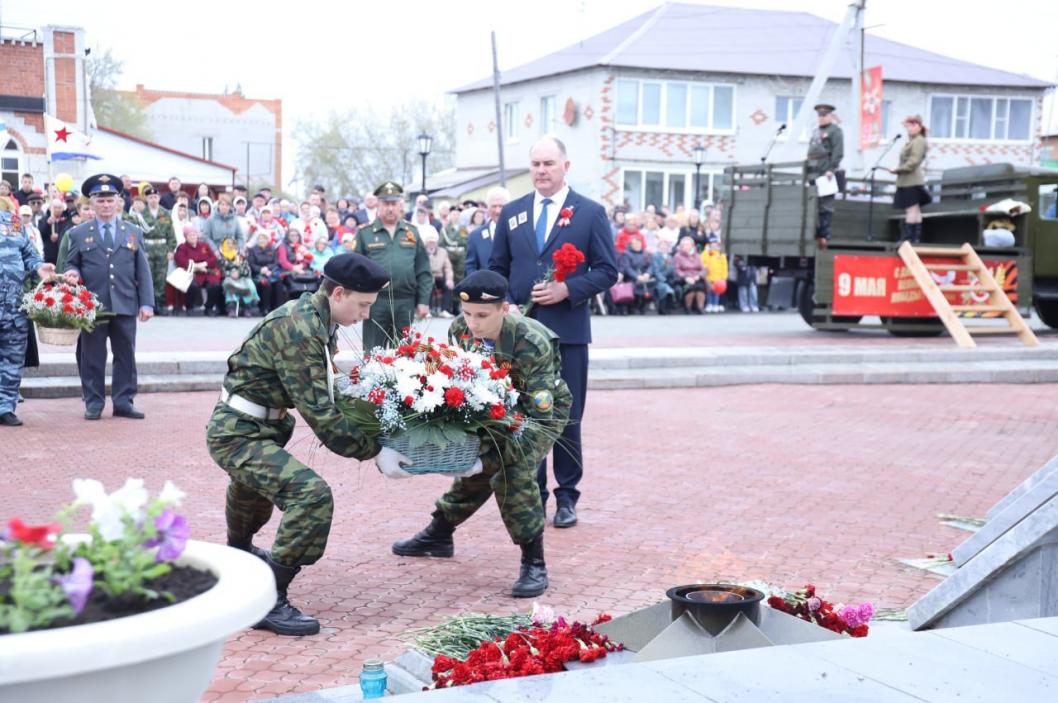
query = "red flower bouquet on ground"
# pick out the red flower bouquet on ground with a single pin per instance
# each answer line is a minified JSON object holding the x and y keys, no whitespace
{"x":805,"y":604}
{"x":564,"y":262}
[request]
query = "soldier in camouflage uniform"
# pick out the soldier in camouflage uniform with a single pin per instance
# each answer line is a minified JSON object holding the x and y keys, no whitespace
{"x":158,"y":239}
{"x":395,"y":245}
{"x":509,"y":472}
{"x":18,"y":257}
{"x":286,"y":362}
{"x":454,"y":240}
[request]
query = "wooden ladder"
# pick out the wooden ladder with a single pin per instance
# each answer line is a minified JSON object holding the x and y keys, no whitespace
{"x":968,"y":259}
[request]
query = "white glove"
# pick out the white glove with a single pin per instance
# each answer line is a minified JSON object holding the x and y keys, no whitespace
{"x":477,"y":468}
{"x":389,"y":463}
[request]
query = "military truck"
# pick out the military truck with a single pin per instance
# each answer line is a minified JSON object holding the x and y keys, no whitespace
{"x":770,"y":220}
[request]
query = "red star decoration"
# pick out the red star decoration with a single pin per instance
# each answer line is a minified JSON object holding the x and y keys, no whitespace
{"x":61,"y":134}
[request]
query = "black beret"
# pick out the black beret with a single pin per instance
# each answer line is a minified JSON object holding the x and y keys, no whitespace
{"x":482,"y":287}
{"x":149,"y":190}
{"x":356,"y":272}
{"x":102,"y":184}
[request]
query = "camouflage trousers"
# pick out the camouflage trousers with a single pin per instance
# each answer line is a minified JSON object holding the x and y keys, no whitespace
{"x":158,"y":259}
{"x":14,"y":331}
{"x":263,"y":474}
{"x":517,"y":496}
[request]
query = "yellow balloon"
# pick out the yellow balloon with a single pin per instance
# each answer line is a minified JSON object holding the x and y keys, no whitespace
{"x":64,"y":182}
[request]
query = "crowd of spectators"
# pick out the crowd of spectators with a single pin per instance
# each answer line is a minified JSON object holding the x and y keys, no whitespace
{"x":250,"y":253}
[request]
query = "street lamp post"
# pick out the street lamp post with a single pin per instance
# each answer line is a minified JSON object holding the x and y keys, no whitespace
{"x":699,"y":159}
{"x":425,"y":142}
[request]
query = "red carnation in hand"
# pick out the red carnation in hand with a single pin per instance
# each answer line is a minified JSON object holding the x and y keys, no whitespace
{"x":454,"y":397}
{"x":566,"y":260}
{"x":497,"y":411}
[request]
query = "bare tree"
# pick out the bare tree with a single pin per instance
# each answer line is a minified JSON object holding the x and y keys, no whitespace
{"x":112,"y":108}
{"x":352,"y":152}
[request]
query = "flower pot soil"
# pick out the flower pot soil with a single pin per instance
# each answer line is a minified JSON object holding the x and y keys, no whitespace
{"x":183,"y":582}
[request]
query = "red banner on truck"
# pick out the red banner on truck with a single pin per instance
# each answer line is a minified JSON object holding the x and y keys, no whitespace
{"x":882,"y":285}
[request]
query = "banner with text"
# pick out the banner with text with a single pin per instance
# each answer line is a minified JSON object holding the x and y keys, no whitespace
{"x":882,"y":285}
{"x":871,"y":108}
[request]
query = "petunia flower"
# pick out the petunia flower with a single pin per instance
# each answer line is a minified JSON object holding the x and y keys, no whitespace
{"x":41,"y":536}
{"x":171,"y":495}
{"x":172,"y":535}
{"x":77,"y":585}
{"x":109,"y":511}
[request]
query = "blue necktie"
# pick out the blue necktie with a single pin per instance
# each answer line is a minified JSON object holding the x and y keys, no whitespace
{"x":108,"y":239}
{"x":541,"y":225}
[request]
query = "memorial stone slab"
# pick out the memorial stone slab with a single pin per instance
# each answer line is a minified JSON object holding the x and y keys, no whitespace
{"x":1039,"y":475}
{"x":1015,"y":576}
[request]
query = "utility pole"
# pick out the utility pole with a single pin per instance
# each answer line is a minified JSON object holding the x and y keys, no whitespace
{"x":499,"y":114}
{"x":857,"y":87}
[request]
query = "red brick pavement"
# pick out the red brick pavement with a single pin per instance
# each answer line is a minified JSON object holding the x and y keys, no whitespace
{"x":785,"y":483}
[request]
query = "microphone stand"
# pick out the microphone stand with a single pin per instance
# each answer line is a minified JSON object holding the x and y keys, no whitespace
{"x":764,"y":159}
{"x":870,"y":202}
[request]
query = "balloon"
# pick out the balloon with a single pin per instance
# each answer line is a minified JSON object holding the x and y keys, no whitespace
{"x":719,"y":287}
{"x":64,"y":182}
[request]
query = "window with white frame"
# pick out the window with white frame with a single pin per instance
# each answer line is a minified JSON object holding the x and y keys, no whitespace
{"x":786,"y":109}
{"x":663,"y":188}
{"x":980,"y":117}
{"x":676,"y":105}
{"x":11,"y":164}
{"x":510,"y":121}
{"x":547,"y":114}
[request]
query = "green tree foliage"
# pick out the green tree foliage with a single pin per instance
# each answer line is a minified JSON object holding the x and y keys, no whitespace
{"x":112,"y":108}
{"x":352,"y":152}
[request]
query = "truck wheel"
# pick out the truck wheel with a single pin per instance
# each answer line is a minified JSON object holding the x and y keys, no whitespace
{"x":806,"y":306}
{"x":929,"y":326}
{"x":1048,"y":312}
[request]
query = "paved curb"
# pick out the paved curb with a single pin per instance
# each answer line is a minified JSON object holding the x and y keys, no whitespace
{"x":651,"y":368}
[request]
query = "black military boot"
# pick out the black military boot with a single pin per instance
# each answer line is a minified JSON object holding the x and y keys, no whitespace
{"x":905,"y":233}
{"x":247,"y":546}
{"x":284,"y":618}
{"x":434,"y":541}
{"x":916,"y":232}
{"x":533,"y":578}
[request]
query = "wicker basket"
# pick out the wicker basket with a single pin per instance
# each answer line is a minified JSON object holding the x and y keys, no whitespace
{"x":58,"y":336}
{"x":429,"y":458}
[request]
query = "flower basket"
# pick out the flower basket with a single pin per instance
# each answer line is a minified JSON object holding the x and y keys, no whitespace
{"x":58,"y":336}
{"x":430,"y":458}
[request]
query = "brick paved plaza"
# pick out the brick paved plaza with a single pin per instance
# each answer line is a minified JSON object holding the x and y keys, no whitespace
{"x":784,"y":483}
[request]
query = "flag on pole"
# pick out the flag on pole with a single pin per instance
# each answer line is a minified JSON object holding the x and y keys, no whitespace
{"x":871,"y":107}
{"x":65,"y":142}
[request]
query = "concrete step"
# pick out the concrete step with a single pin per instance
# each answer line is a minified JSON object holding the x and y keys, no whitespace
{"x":1001,"y":371}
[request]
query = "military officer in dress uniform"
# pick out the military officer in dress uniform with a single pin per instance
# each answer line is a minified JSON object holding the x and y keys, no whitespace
{"x":395,"y":245}
{"x":108,"y":254}
{"x":825,"y":150}
{"x":287,"y":362}
{"x":159,"y":238}
{"x":531,"y":352}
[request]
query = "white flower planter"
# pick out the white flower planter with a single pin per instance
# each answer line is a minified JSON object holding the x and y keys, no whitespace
{"x":164,"y":656}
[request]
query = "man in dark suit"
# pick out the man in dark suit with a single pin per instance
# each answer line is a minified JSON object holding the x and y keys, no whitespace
{"x":108,"y":253}
{"x":530,"y":230}
{"x":479,"y":243}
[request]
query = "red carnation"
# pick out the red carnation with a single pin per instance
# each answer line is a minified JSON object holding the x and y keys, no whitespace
{"x":49,"y":301}
{"x":89,"y":305}
{"x":408,"y":400}
{"x":454,"y":397}
{"x":497,"y":411}
{"x":68,"y":308}
{"x":377,"y":396}
{"x":566,"y":260}
{"x":38,"y":296}
{"x":67,"y":298}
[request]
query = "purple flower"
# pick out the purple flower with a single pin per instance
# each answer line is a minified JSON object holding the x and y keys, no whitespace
{"x":77,"y":584}
{"x":172,"y":535}
{"x":814,"y":604}
{"x":866,"y":612}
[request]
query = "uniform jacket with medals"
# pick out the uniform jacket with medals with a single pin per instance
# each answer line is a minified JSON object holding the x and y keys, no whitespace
{"x":403,"y":256}
{"x":122,"y":277}
{"x":825,"y":150}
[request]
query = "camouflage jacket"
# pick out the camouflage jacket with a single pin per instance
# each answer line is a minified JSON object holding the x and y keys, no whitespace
{"x":157,"y":228}
{"x":283,"y":364}
{"x":531,"y":351}
{"x":18,"y":258}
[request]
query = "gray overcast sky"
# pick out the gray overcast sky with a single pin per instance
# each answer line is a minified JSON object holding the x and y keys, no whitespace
{"x":323,"y":56}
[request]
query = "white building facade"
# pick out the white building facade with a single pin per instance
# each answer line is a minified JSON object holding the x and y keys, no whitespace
{"x":630,"y":131}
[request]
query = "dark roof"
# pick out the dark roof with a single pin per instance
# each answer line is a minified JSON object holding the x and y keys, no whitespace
{"x":683,"y":37}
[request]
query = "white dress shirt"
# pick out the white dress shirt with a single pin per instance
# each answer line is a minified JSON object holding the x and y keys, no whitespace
{"x":553,"y":208}
{"x":490,"y":230}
